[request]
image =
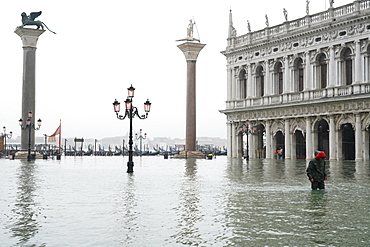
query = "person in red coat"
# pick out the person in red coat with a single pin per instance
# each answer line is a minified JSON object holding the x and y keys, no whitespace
{"x":316,"y":171}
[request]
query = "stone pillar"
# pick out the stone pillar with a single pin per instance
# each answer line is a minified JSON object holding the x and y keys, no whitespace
{"x":191,"y":51}
{"x":332,"y":72}
{"x":309,"y":150}
{"x":250,"y":81}
{"x":358,"y":138}
{"x":229,"y":139}
{"x":229,"y":83}
{"x":29,"y":39}
{"x":268,"y":140}
{"x":332,"y":142}
{"x":287,"y":140}
{"x":234,"y":151}
{"x":358,"y":64}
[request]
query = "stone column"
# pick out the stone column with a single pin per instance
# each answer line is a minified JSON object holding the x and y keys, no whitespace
{"x":249,"y":83}
{"x":358,"y":138}
{"x":191,"y":51}
{"x":229,"y":82}
{"x":332,"y":142}
{"x":358,"y":64}
{"x":287,"y":151}
{"x":268,"y":140}
{"x":234,"y":151}
{"x":229,"y":139}
{"x":332,"y":72}
{"x":309,"y":150}
{"x":29,"y":39}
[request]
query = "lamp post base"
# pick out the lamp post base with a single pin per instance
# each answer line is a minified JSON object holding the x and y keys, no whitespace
{"x":130,"y":167}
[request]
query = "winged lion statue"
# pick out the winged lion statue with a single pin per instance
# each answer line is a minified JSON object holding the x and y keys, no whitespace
{"x":29,"y":20}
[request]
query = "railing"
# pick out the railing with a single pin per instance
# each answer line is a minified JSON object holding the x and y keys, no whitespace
{"x":300,"y":96}
{"x":305,"y":22}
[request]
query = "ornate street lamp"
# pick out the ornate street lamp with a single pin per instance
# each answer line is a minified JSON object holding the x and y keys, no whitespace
{"x":140,"y":137}
{"x":130,"y":112}
{"x":29,"y":125}
{"x":5,"y":136}
{"x":244,"y":129}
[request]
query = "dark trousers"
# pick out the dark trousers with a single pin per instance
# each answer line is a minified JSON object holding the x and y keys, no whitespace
{"x":317,"y":185}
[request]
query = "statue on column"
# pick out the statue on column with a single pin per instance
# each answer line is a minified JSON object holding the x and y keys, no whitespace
{"x":249,"y":26}
{"x":29,"y":20}
{"x":267,"y":20}
{"x":190,"y":31}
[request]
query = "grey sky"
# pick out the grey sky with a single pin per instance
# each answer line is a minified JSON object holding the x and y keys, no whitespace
{"x":102,"y":47}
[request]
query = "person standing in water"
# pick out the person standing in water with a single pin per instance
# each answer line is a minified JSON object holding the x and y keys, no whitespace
{"x":316,"y":171}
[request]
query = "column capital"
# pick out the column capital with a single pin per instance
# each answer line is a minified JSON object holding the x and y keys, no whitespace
{"x":29,"y":36}
{"x":191,"y":50}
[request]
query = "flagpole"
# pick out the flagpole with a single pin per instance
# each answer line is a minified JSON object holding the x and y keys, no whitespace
{"x":60,"y":134}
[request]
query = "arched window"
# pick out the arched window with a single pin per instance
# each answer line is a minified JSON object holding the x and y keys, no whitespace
{"x":347,"y":66}
{"x":260,"y":82}
{"x":299,"y":75}
{"x":279,"y":82}
{"x":323,"y":71}
{"x":242,"y":84}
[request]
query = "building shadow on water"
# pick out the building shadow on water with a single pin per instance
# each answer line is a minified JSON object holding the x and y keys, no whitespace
{"x":26,"y":212}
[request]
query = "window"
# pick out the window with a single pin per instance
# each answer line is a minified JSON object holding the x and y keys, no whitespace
{"x":299,"y":74}
{"x":347,"y":66}
{"x":260,"y":82}
{"x":279,"y":78}
{"x":323,"y":71}
{"x":242,"y":84}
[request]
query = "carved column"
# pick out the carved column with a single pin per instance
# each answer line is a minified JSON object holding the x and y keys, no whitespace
{"x":287,"y":139}
{"x":229,"y":139}
{"x":29,"y":40}
{"x":268,"y":140}
{"x":229,"y":82}
{"x":332,"y":142}
{"x":358,"y":65}
{"x":234,"y":151}
{"x":309,"y":150}
{"x":250,"y":81}
{"x":358,"y":138}
{"x":332,"y":72}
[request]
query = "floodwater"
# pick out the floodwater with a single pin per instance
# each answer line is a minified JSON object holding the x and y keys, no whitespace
{"x":92,"y":201}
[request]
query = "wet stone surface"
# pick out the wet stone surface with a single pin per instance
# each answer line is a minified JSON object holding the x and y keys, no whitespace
{"x":92,"y":201}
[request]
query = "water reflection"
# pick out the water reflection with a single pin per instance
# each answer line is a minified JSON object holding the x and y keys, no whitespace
{"x":189,"y":209}
{"x":126,"y":209}
{"x":26,"y":211}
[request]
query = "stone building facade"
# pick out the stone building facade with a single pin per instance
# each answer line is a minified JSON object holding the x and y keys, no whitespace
{"x":303,"y":85}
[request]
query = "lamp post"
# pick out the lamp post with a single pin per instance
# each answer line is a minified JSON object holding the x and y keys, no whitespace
{"x":140,"y":137}
{"x":29,"y":125}
{"x":130,"y":112}
{"x":245,"y":130}
{"x":5,"y":136}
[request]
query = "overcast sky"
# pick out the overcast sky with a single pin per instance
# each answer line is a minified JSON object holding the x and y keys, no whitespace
{"x":102,"y":47}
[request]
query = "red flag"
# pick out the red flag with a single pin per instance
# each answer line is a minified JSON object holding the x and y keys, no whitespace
{"x":57,"y":132}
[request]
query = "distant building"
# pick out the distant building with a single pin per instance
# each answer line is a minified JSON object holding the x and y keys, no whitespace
{"x":304,"y":85}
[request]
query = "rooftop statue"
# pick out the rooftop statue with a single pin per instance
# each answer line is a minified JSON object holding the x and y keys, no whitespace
{"x":30,"y":20}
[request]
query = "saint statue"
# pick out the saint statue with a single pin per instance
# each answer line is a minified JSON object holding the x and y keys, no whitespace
{"x":190,"y":29}
{"x":267,"y":20}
